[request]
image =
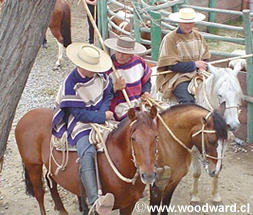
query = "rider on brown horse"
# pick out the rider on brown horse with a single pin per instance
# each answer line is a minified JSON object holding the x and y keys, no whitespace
{"x":84,"y":98}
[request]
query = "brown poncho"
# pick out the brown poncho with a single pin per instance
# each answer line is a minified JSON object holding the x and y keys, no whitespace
{"x":176,"y":48}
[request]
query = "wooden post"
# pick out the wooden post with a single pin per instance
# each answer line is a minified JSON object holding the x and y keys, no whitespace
{"x":155,"y":34}
{"x":211,"y":18}
{"x":249,"y":50}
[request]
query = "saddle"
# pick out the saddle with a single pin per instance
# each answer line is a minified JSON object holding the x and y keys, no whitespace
{"x":98,"y":134}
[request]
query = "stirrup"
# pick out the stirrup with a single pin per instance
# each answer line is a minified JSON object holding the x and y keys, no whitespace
{"x":103,"y":205}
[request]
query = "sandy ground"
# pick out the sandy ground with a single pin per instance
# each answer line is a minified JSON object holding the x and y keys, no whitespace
{"x":236,"y":178}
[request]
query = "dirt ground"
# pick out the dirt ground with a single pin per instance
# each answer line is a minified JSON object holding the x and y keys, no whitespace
{"x":236,"y":178}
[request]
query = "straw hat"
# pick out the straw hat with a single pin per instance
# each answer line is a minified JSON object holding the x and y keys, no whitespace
{"x":89,"y":57}
{"x":186,"y":15}
{"x":125,"y":44}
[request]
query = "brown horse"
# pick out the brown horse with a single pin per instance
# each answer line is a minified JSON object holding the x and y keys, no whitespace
{"x":60,"y":27}
{"x":132,"y":148}
{"x":190,"y":125}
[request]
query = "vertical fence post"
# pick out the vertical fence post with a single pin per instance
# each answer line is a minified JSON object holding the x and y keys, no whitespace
{"x":249,"y":50}
{"x":211,"y":18}
{"x":155,"y":33}
{"x":102,"y":18}
{"x":137,"y":22}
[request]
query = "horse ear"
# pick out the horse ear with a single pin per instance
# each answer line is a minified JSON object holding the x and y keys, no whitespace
{"x":239,"y":65}
{"x":131,"y":114}
{"x":203,"y":120}
{"x":153,"y":112}
{"x":214,"y":70}
{"x":222,"y":108}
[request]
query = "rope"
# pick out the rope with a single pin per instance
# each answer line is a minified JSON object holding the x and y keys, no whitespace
{"x":116,"y":171}
{"x":65,"y":158}
{"x":231,"y":58}
{"x":150,"y":101}
{"x":202,"y":131}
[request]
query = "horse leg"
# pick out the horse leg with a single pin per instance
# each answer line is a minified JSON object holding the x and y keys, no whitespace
{"x":34,"y":185}
{"x":166,"y":200}
{"x":60,"y":54}
{"x":128,"y":210}
{"x":196,"y":174}
{"x":57,"y":34}
{"x":56,"y":197}
{"x":155,"y":198}
{"x":215,"y":192}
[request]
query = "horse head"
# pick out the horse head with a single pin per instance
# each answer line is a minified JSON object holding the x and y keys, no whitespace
{"x":209,"y":138}
{"x":225,"y":89}
{"x":144,"y":140}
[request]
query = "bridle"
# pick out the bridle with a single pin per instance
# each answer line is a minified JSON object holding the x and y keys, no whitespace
{"x":202,"y":131}
{"x":134,"y":154}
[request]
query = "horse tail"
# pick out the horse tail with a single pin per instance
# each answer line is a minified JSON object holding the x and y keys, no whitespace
{"x":28,"y":185}
{"x":66,"y":25}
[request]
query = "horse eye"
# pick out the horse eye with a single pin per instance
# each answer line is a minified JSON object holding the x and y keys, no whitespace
{"x":132,"y":139}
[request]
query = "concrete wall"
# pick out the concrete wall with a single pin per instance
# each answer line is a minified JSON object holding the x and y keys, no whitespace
{"x":221,"y":4}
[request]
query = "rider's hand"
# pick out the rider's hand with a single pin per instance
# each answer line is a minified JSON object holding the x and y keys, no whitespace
{"x":108,"y":115}
{"x":120,"y":84}
{"x":201,"y":65}
{"x":144,"y":97}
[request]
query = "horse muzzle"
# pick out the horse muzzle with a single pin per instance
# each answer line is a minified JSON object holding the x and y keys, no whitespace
{"x":148,"y":178}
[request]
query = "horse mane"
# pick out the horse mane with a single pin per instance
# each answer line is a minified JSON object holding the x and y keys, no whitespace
{"x":220,"y":125}
{"x":227,"y":77}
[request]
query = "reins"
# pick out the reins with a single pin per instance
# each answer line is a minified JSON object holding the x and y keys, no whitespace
{"x":202,"y":131}
{"x":114,"y":168}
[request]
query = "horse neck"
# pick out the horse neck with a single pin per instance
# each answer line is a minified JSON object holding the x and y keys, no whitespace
{"x":207,"y":96}
{"x":182,"y":124}
{"x":119,"y":142}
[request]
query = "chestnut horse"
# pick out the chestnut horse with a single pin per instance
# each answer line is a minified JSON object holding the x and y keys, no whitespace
{"x":132,"y":148}
{"x":190,"y":125}
{"x":60,"y":27}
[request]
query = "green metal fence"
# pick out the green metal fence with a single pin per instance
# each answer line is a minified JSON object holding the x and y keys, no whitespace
{"x":159,"y":24}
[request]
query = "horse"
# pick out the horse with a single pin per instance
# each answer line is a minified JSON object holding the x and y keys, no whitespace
{"x":131,"y":146}
{"x":220,"y":88}
{"x":60,"y":27}
{"x":182,"y":127}
{"x":124,"y":24}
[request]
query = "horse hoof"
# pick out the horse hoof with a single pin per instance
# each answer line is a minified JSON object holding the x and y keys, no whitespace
{"x":57,"y":67}
{"x":194,"y":203}
{"x":217,"y":203}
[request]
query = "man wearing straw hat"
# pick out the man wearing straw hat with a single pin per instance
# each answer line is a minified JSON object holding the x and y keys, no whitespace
{"x":183,"y":53}
{"x":133,"y":71}
{"x":84,"y":98}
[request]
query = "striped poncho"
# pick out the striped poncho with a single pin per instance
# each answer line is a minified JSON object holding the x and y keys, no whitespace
{"x":77,"y":92}
{"x":136,"y":74}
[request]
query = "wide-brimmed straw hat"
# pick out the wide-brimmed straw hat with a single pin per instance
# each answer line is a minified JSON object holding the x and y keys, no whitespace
{"x":89,"y":57}
{"x":125,"y":44}
{"x":186,"y":15}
